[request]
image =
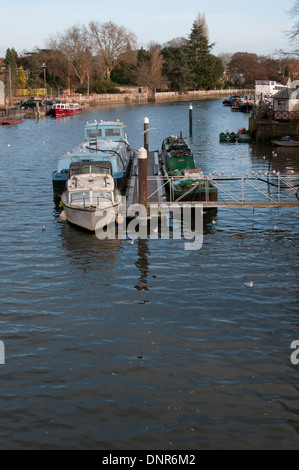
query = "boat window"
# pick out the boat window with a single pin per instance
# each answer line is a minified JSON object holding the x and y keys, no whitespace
{"x":102,"y":196}
{"x":114,"y":132}
{"x":80,"y":198}
{"x":94,"y":132}
{"x":98,"y":169}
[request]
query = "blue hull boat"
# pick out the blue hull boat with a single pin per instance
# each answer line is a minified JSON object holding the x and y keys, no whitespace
{"x":104,"y":141}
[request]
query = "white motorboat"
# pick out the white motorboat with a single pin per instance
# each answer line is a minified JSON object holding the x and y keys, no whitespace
{"x":104,"y":141}
{"x":91,"y":200}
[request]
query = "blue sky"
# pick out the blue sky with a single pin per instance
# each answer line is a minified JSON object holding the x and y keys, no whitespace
{"x":256,"y":26}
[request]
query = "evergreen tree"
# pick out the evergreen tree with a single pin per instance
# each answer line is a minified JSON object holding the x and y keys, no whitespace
{"x":198,"y":50}
{"x":205,"y":69}
{"x":11,"y":58}
{"x":35,"y":75}
{"x":11,"y":66}
{"x":176,"y":67}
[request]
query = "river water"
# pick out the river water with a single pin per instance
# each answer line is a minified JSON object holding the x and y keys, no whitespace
{"x":112,"y":346}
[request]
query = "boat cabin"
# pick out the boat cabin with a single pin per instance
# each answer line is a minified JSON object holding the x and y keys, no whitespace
{"x":90,"y":183}
{"x":110,"y":130}
{"x":66,"y":106}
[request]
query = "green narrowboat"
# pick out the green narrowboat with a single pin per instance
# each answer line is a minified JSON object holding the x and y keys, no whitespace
{"x":185,"y":181}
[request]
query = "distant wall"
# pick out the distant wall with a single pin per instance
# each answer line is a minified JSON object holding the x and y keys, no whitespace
{"x":199,"y":94}
{"x":133,"y":96}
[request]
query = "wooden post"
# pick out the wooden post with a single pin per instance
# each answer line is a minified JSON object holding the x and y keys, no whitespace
{"x":146,"y":132}
{"x":37,"y":110}
{"x":142,"y":177}
{"x":190,"y":119}
{"x":279,"y":188}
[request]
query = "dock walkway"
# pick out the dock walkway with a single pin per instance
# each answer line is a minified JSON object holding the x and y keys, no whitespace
{"x":155,"y":184}
{"x":244,"y":191}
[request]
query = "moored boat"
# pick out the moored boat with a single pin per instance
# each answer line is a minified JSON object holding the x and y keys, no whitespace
{"x":246,"y":107}
{"x":233,"y":99}
{"x":91,"y":200}
{"x":286,"y":142}
{"x":185,"y":181}
{"x":236,"y":107}
{"x":66,"y":109}
{"x":227,"y":136}
{"x":12,"y":122}
{"x":242,"y":137}
{"x":104,"y":141}
{"x":236,"y":99}
{"x":226,"y":102}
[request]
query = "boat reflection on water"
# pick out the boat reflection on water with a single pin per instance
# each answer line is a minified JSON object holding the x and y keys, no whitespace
{"x":83,"y":245}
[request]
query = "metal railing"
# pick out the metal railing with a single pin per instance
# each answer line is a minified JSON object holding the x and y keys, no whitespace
{"x":273,"y":189}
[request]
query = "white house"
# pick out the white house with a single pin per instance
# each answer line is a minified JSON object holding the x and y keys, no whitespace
{"x":286,"y":104}
{"x":268,"y":88}
{"x":2,"y":94}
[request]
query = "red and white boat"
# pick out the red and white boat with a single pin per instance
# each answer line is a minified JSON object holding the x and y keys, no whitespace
{"x":66,"y":109}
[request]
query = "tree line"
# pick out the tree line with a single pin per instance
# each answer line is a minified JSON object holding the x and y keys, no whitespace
{"x":102,"y":56}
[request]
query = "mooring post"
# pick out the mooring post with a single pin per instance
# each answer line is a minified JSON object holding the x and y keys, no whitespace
{"x":190,"y":119}
{"x":142,"y":177}
{"x":146,"y":132}
{"x":279,"y":188}
{"x":37,"y":110}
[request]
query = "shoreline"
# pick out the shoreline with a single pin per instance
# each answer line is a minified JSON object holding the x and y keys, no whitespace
{"x":93,"y":101}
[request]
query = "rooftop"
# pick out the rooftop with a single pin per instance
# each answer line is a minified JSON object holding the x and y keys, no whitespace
{"x":287,"y":94}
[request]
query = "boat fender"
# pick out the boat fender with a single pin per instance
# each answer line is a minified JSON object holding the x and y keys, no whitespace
{"x":228,"y":138}
{"x":63,"y":216}
{"x":119,"y":219}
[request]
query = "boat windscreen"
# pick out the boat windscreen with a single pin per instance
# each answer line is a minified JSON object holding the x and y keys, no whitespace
{"x":81,"y":198}
{"x":84,"y":168}
{"x":101,"y":196}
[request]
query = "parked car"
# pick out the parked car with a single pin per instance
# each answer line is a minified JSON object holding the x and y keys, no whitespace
{"x":30,"y":104}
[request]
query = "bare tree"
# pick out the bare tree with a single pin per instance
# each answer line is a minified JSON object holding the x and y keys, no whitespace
{"x":201,"y":21}
{"x":225,"y":58}
{"x":111,"y":42}
{"x":75,"y":45}
{"x":176,"y":42}
{"x":294,"y":14}
{"x":293,"y":34}
{"x":150,"y":72}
